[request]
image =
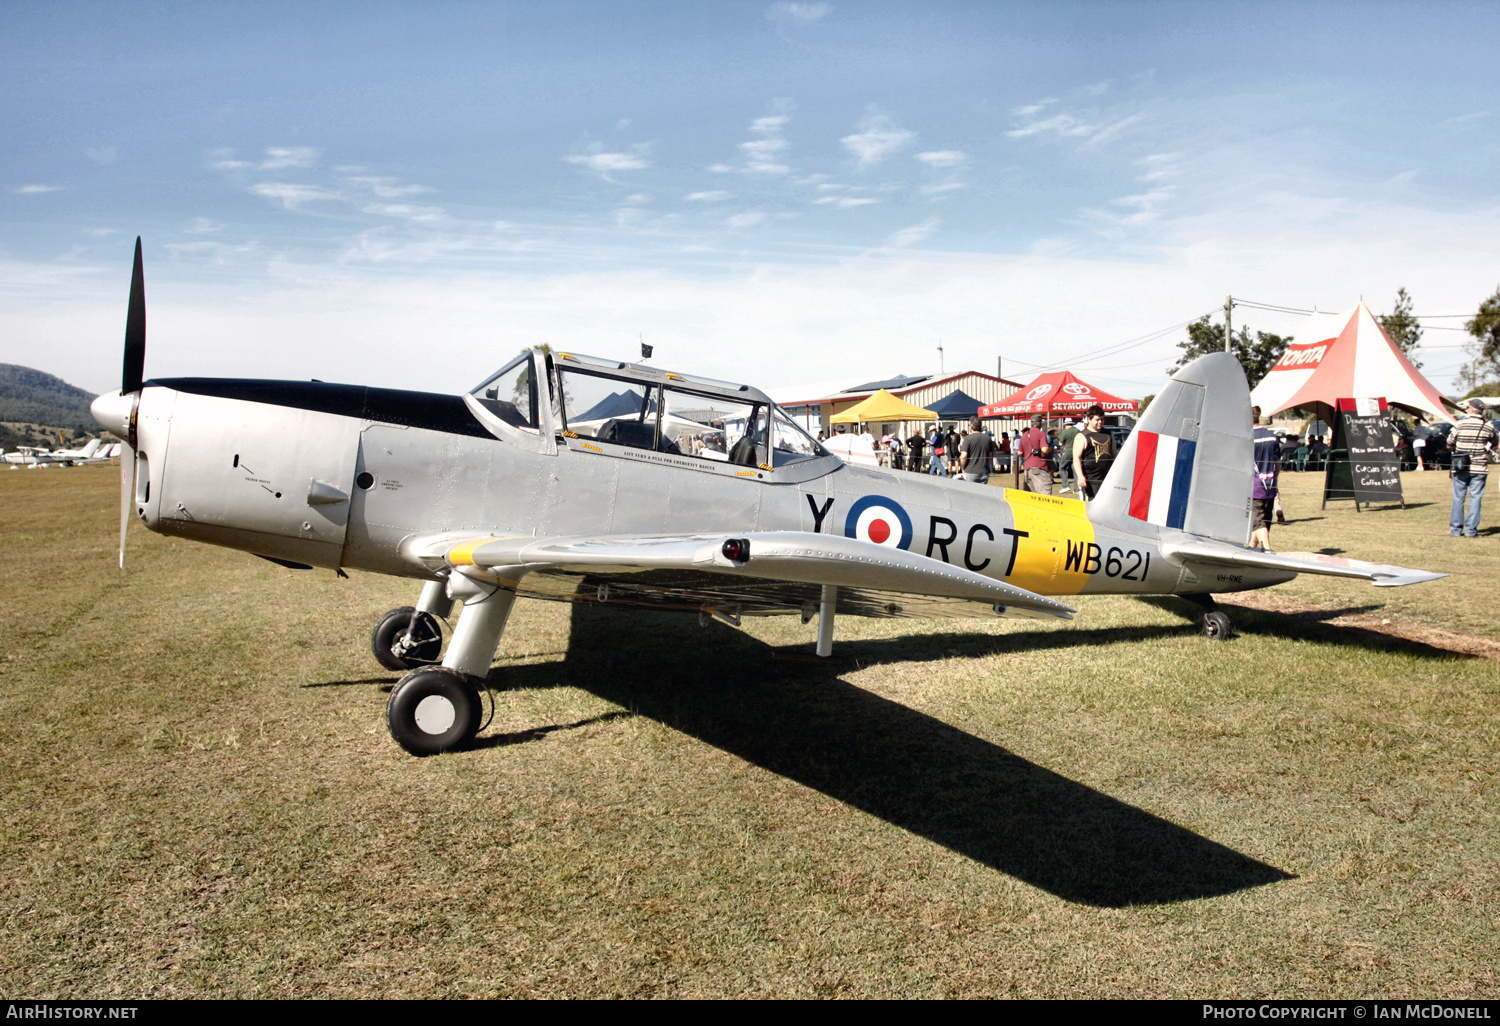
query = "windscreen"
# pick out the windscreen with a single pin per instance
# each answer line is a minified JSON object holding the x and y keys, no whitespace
{"x":510,"y":393}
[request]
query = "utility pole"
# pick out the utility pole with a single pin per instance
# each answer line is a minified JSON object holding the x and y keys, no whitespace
{"x":941,"y":371}
{"x":1000,"y":367}
{"x":1228,"y":327}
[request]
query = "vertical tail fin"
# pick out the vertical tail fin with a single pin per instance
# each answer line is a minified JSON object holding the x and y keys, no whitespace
{"x":1189,"y":464}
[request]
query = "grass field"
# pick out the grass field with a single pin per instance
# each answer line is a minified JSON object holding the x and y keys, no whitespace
{"x":199,"y":796}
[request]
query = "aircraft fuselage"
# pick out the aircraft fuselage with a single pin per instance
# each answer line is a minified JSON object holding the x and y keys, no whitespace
{"x":343,"y":476}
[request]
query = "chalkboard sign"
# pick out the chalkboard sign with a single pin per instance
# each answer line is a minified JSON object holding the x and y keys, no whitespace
{"x":1363,"y":464}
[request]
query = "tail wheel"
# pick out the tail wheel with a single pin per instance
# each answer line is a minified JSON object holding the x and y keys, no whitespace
{"x":389,"y":643}
{"x":433,"y":709}
{"x":1216,"y":626}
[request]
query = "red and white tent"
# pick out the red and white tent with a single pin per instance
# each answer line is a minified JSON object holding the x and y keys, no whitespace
{"x":1056,"y":393}
{"x":1355,"y":359}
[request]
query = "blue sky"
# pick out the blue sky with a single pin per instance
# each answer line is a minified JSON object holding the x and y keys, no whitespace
{"x":783,"y":193}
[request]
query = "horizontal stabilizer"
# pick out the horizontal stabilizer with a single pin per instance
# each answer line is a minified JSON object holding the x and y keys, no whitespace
{"x":792,"y":557}
{"x":1211,"y":553}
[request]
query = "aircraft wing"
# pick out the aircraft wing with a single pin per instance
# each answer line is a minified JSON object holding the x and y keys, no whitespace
{"x":1212,"y":553}
{"x":781,"y":572}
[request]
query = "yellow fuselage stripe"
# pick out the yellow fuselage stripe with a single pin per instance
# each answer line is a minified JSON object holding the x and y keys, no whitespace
{"x":1050,"y":522}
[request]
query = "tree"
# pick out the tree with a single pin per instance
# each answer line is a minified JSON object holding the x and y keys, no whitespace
{"x":1256,"y":355}
{"x":1484,"y":351}
{"x":1401,"y":325}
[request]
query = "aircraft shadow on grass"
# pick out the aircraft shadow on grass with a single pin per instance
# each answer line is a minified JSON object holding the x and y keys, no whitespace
{"x":1310,"y":625}
{"x":910,"y":769}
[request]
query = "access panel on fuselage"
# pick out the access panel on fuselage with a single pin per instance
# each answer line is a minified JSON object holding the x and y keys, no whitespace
{"x":242,"y":473}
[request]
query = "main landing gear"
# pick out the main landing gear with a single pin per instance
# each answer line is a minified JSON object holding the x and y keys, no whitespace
{"x":1216,"y":624}
{"x":437,"y":707}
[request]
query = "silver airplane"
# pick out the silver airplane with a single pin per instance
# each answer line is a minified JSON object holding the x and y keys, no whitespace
{"x":571,"y":478}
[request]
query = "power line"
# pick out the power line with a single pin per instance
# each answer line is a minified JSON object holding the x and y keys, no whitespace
{"x":1110,"y":350}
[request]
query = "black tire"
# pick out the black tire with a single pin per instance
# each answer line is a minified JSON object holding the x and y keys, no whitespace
{"x":1216,"y":626}
{"x":433,"y":709}
{"x":390,"y":629}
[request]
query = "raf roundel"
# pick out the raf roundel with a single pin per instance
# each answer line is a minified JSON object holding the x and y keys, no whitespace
{"x":877,"y":519}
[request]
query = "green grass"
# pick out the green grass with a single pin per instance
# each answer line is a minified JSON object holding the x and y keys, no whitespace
{"x":1416,"y":536}
{"x":200,"y":796}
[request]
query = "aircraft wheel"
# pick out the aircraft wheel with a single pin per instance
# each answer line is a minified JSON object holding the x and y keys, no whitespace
{"x":1216,"y":626}
{"x":390,"y":629}
{"x":433,"y":709}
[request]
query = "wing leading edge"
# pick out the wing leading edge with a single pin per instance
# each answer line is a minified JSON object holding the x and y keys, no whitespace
{"x":781,"y":572}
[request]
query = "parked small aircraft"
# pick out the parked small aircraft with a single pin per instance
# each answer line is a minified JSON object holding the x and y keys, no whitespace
{"x":576,"y":479}
{"x":31,"y":456}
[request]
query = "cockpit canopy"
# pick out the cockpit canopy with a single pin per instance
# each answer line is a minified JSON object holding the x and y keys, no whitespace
{"x":645,"y":408}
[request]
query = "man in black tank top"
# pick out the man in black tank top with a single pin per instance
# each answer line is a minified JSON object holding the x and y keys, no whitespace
{"x":1093,"y":451}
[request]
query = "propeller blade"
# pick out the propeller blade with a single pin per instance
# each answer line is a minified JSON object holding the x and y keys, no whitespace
{"x":127,"y":493}
{"x":135,"y":329}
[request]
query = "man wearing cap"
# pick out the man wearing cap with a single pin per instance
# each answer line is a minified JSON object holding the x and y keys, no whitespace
{"x":1032,"y":449}
{"x":1473,"y":443}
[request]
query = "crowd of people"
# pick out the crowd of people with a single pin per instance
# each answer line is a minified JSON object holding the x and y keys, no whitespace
{"x":1080,"y":453}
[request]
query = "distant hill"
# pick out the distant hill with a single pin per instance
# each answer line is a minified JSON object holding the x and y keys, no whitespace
{"x":34,"y":397}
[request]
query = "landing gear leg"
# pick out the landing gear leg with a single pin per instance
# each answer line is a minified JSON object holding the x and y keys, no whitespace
{"x":1216,"y":624}
{"x":827,"y":604}
{"x":435,"y":708}
{"x":409,"y":636}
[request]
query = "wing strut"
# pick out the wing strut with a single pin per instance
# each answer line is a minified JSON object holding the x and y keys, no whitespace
{"x":827,"y":602}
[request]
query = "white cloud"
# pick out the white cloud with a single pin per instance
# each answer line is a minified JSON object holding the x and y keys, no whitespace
{"x":629,"y":217}
{"x":279,"y":157}
{"x":1068,"y":126}
{"x":407,"y":212}
{"x":720,"y":169}
{"x":915,"y":233}
{"x":386,"y":188}
{"x":203,"y":226}
{"x":622,"y":124}
{"x":943,"y":158}
{"x":605,"y":164}
{"x":1062,"y":124}
{"x":711,"y":196}
{"x":749,"y":219}
{"x":1465,"y":119}
{"x":799,"y":320}
{"x":941,"y":190}
{"x":1033,"y":108}
{"x":846,"y":202}
{"x":292,"y":197}
{"x":763,"y":155}
{"x":1098,"y":88}
{"x":635,"y":199}
{"x":32,"y":190}
{"x":101,"y":154}
{"x":223,"y":159}
{"x":218,"y":253}
{"x":1112,"y":130}
{"x":784,"y":10}
{"x":877,"y":139}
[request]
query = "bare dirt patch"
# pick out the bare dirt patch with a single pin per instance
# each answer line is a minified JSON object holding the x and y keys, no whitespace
{"x":1435,"y":637}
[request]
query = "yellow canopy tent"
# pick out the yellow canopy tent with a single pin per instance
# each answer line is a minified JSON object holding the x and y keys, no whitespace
{"x":882,"y":406}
